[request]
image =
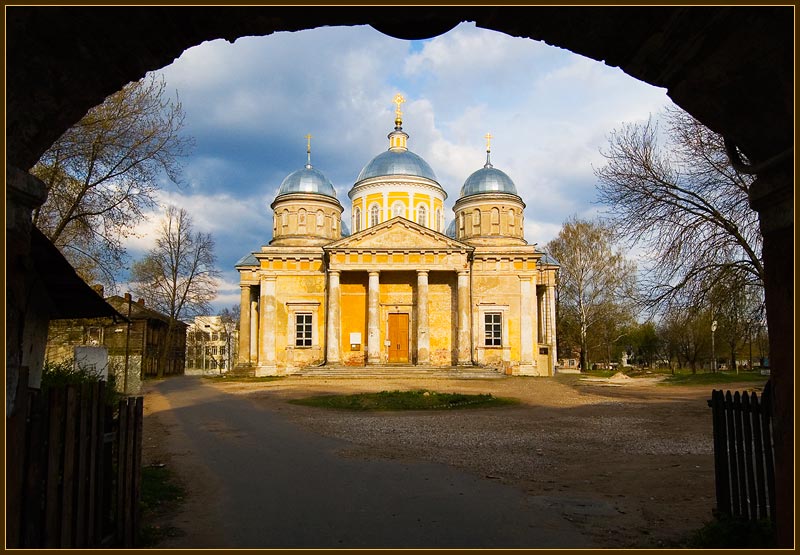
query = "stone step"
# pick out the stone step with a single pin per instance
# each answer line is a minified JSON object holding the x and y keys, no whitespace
{"x":400,"y":372}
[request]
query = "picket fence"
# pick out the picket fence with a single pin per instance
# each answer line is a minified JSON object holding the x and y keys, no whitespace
{"x":743,"y":454}
{"x":73,"y":468}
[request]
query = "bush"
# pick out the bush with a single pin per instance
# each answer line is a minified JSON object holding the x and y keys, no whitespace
{"x":64,"y":373}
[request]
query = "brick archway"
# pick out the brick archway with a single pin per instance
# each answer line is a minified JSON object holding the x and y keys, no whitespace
{"x":730,"y":67}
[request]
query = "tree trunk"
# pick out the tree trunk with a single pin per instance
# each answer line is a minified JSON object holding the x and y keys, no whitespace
{"x":584,"y":347}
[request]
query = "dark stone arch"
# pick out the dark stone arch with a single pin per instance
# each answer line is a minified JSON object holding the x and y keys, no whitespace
{"x":730,"y":67}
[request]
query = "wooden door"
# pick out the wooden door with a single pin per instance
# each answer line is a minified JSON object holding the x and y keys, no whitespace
{"x":398,"y":337}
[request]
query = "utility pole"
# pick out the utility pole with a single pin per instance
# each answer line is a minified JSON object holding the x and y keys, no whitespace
{"x":127,"y":345}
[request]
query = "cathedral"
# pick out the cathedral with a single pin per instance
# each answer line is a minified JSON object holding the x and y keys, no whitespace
{"x":400,"y":289}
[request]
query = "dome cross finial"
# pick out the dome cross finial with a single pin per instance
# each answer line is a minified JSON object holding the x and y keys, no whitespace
{"x":398,"y":119}
{"x":308,"y":149}
{"x":488,"y":138}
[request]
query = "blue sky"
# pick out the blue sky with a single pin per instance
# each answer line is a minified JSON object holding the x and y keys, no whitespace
{"x":249,"y":105}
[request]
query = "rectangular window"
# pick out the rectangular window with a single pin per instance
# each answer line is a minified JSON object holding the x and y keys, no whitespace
{"x":222,"y":350}
{"x":303,"y":333}
{"x":493,"y":325}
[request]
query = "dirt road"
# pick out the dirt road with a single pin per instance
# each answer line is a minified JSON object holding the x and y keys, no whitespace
{"x":258,"y":480}
{"x":578,"y":463}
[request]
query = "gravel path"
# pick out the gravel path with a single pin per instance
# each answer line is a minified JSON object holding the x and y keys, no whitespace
{"x":631,"y":463}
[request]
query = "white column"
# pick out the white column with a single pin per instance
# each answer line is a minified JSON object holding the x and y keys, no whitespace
{"x":333,"y":318}
{"x":244,"y":326}
{"x":551,"y":309}
{"x":423,"y":336}
{"x":253,"y":331}
{"x":525,"y":322}
{"x":535,"y":315}
{"x":267,"y":325}
{"x":464,"y":347}
{"x":373,"y":317}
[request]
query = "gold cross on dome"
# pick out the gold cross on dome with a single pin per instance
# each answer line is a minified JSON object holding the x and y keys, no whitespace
{"x":488,"y":138}
{"x":308,"y":138}
{"x":398,"y":99}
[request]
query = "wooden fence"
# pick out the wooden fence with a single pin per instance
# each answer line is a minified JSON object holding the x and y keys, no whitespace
{"x":743,"y":454}
{"x":73,"y":468}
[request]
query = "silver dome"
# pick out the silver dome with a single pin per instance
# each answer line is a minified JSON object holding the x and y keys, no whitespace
{"x":307,"y":180}
{"x":451,"y":230}
{"x":397,"y":162}
{"x":488,"y":180}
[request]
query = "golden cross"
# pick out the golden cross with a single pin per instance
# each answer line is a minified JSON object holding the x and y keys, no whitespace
{"x":488,"y":138}
{"x":398,"y":99}
{"x":308,"y":138}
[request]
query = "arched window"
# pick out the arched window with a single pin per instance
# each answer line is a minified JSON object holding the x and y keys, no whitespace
{"x":320,"y":218}
{"x":495,"y":221}
{"x":512,"y":221}
{"x":374,"y":215}
{"x":285,"y":218}
{"x":301,"y":216}
{"x":461,"y":221}
{"x":398,"y":209}
{"x":476,"y":222}
{"x":439,"y":222}
{"x":422,"y":215}
{"x":357,"y":219}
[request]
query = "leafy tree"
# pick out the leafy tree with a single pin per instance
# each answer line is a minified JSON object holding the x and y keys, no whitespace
{"x":592,"y":278}
{"x":685,"y":205}
{"x":687,"y":335}
{"x":177,"y":277}
{"x":102,"y":175}
{"x":645,"y":342}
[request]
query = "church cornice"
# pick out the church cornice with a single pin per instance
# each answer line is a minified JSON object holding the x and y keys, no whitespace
{"x":388,"y":182}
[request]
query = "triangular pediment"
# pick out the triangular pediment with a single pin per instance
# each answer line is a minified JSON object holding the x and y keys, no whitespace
{"x":398,"y":233}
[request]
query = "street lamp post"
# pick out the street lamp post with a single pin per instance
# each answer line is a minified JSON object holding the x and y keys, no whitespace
{"x":713,"y":355}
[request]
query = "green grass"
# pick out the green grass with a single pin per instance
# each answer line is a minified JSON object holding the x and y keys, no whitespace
{"x":236,"y":379}
{"x":161,"y":496}
{"x":711,"y":378}
{"x":731,"y":533}
{"x":421,"y":399}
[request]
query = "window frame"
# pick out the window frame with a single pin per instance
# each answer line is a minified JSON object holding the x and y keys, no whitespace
{"x":493,"y":329}
{"x":303,"y":338}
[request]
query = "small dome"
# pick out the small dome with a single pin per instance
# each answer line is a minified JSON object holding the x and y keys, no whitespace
{"x":307,"y":180}
{"x":488,"y":180}
{"x":451,"y":230}
{"x":397,"y":162}
{"x":345,"y":230}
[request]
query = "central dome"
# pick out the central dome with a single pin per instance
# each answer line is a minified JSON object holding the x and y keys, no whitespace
{"x":397,"y":162}
{"x":307,"y":180}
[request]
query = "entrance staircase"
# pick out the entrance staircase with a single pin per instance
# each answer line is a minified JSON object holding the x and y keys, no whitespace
{"x":401,"y":371}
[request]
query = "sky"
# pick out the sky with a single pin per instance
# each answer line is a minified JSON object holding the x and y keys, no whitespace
{"x":250,"y":104}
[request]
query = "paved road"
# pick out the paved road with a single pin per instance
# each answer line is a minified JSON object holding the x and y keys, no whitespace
{"x":260,"y":481}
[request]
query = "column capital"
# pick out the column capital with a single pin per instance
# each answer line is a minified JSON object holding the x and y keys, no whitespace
{"x":374,"y":272}
{"x":269,"y":278}
{"x":462,"y":272}
{"x":334,"y":272}
{"x":422,"y":272}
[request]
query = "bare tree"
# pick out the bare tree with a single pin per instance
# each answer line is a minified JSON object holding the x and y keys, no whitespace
{"x":177,"y":277}
{"x":684,"y":204}
{"x":103,"y":172}
{"x":230,"y":322}
{"x":592,"y":276}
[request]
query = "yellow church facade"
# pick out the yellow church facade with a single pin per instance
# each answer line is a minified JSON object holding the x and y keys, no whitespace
{"x":400,"y":289}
